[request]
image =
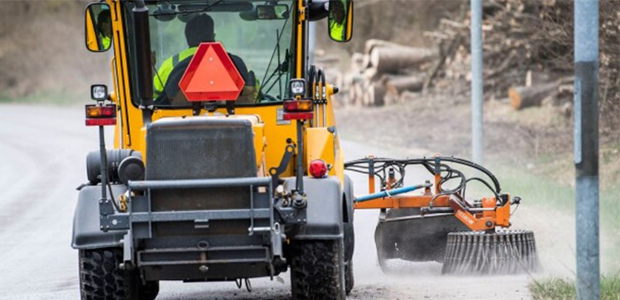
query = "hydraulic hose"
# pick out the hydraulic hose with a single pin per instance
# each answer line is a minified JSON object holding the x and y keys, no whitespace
{"x":360,"y":164}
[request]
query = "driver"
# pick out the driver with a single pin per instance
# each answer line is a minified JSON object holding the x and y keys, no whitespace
{"x":105,"y":29}
{"x":200,"y":29}
{"x":337,"y":28}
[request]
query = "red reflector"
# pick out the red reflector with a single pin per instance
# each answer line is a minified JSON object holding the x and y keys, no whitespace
{"x":298,"y":116}
{"x":318,"y":168}
{"x":211,"y":75}
{"x":100,"y":122}
{"x":298,"y":105}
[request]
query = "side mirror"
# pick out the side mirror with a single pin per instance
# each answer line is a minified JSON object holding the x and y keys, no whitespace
{"x":272,"y":12}
{"x":98,"y":27}
{"x":340,"y":21}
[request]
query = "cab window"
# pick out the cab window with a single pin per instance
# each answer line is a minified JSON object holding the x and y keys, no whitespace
{"x":256,"y":35}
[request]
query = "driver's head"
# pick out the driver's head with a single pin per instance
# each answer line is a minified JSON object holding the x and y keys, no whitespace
{"x":103,"y":21}
{"x":200,"y":30}
{"x":337,"y":10}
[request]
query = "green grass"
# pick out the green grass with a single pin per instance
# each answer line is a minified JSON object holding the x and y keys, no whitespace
{"x":51,"y":98}
{"x":548,"y":194}
{"x":538,"y":190}
{"x":534,"y":189}
{"x":561,"y":289}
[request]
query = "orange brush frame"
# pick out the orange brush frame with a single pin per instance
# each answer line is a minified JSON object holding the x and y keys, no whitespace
{"x":491,"y":216}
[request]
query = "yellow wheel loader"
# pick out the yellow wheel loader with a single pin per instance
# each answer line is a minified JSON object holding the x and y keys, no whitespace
{"x":226,"y":162}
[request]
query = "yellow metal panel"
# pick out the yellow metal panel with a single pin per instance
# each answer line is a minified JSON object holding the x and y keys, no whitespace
{"x":260,"y":144}
{"x":132,"y":136}
{"x":338,"y":165}
{"x":320,"y":145}
{"x":119,"y":118}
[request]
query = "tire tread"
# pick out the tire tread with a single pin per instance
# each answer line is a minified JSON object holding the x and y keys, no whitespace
{"x":100,"y":277}
{"x":317,"y":270}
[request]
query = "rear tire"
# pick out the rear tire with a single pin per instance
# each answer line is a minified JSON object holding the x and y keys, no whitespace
{"x":349,"y":245}
{"x":102,"y":279}
{"x":317,"y":270}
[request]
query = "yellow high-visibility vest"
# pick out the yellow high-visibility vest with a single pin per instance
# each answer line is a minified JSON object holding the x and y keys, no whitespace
{"x":105,"y":42}
{"x":338,"y":30}
{"x":160,"y":79}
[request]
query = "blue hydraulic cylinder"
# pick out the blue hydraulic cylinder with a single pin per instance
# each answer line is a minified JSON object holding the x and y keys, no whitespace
{"x":390,"y":193}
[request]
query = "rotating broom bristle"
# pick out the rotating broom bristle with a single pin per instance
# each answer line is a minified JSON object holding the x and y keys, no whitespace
{"x":482,"y":253}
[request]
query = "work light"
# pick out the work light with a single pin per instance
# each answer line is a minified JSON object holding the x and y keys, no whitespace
{"x":99,"y":92}
{"x":298,"y":87}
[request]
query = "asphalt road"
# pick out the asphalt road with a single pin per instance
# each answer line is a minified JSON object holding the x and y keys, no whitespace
{"x":42,"y":161}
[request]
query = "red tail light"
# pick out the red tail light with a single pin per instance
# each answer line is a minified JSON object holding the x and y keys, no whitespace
{"x":97,"y":115}
{"x":318,"y":168}
{"x":297,"y":105}
{"x":299,"y":109}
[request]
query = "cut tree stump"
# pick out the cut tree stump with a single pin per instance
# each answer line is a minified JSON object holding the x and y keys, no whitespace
{"x":522,"y":97}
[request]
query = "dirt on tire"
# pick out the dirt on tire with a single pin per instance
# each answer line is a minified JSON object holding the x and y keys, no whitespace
{"x":317,"y":270}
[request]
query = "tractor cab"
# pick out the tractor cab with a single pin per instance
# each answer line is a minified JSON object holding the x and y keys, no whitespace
{"x":252,"y":60}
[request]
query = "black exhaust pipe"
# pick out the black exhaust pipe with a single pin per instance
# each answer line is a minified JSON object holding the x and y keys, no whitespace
{"x":143,"y":58}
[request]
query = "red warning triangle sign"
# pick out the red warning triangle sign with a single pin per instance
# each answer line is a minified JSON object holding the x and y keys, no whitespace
{"x":211,"y":75}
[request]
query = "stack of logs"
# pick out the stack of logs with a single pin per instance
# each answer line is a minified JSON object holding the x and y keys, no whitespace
{"x":527,"y":57}
{"x":514,"y":33}
{"x":386,"y":70}
{"x":527,"y":49}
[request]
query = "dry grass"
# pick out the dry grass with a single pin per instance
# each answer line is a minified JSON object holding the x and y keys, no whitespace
{"x":561,"y":289}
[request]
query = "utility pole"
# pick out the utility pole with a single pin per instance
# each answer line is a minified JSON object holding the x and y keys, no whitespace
{"x":477,"y":92}
{"x":587,"y":148}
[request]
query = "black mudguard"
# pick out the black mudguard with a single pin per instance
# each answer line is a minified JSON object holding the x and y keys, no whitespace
{"x":348,"y":217}
{"x":415,"y":240}
{"x":86,"y":233}
{"x":324,"y":211}
{"x":348,"y":200}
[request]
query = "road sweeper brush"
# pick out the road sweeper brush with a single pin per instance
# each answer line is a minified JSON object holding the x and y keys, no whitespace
{"x":437,"y":222}
{"x":501,"y":252}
